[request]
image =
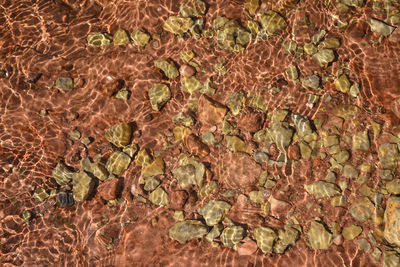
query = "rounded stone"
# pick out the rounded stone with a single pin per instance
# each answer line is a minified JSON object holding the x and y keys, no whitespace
{"x":119,"y":134}
{"x":186,"y":70}
{"x":232,"y":235}
{"x":65,"y":199}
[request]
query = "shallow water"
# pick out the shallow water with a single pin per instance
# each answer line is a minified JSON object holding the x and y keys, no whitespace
{"x":43,"y":40}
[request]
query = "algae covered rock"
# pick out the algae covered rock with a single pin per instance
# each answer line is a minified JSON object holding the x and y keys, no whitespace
{"x":232,"y":235}
{"x":82,"y":186}
{"x":321,"y":189}
{"x":351,"y":232}
{"x":159,"y":95}
{"x":98,"y":39}
{"x":392,"y":221}
{"x":214,"y":211}
{"x":318,"y":236}
{"x":140,"y":38}
{"x":380,"y":27}
{"x":119,"y":134}
{"x":159,"y":197}
{"x":62,"y":174}
{"x":192,"y":8}
{"x":167,"y":66}
{"x":388,"y":155}
{"x":281,"y":134}
{"x":187,"y":230}
{"x":265,"y":238}
{"x":272,"y":22}
{"x":324,"y":57}
{"x":155,"y":168}
{"x":118,"y":162}
{"x":65,"y":84}
{"x":120,"y":37}
{"x":178,"y":25}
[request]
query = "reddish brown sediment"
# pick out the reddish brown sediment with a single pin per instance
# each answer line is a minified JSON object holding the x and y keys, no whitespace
{"x":117,"y":225}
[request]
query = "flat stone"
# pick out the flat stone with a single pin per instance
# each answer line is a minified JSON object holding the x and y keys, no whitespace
{"x":120,"y":37}
{"x":186,"y":175}
{"x":140,"y":38}
{"x":119,"y":134}
{"x":393,"y":187}
{"x":155,"y":168}
{"x":281,"y":135}
{"x":236,"y":144}
{"x":305,"y":150}
{"x":392,"y":220}
{"x":287,"y":237}
{"x":310,"y":48}
{"x":252,"y":5}
{"x":208,"y":138}
{"x":190,"y":85}
{"x":159,"y":94}
{"x":272,"y":22}
{"x":321,"y":189}
{"x":342,"y":83}
{"x":40,"y":195}
{"x":364,"y":244}
{"x":151,"y":183}
{"x":292,"y":73}
{"x":351,"y":232}
{"x":159,"y":197}
{"x":250,"y":120}
{"x":214,"y":233}
{"x":192,"y":8}
{"x":318,"y":236}
{"x":257,"y":196}
{"x":210,"y":112}
{"x":200,"y":168}
{"x":346,"y":111}
{"x":214,"y":211}
{"x":97,"y":169}
{"x":265,"y":238}
{"x":361,"y":141}
{"x":391,"y":259}
{"x":187,"y":230}
{"x":303,"y":126}
{"x":232,"y":235}
{"x":362,"y":210}
{"x":180,"y":132}
{"x":64,"y":84}
{"x":342,"y":156}
{"x":62,"y":173}
{"x":98,"y":39}
{"x":109,"y":189}
{"x":177,"y":25}
{"x":312,"y":81}
{"x":324,"y":57}
{"x":380,"y":27}
{"x":168,"y":67}
{"x":195,"y":147}
{"x":82,"y":186}
{"x":388,"y":155}
{"x":122,"y":94}
{"x":118,"y":162}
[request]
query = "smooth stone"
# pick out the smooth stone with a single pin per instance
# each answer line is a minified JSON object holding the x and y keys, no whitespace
{"x":187,"y":230}
{"x":159,"y":94}
{"x":214,"y":211}
{"x":119,"y":134}
{"x":64,"y":84}
{"x":318,"y":236}
{"x":232,"y":235}
{"x":65,"y":199}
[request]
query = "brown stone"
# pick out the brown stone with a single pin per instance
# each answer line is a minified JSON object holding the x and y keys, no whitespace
{"x":247,"y":248}
{"x":279,"y":208}
{"x":250,"y":120}
{"x":109,"y":189}
{"x":238,"y":170}
{"x":177,"y":199}
{"x":210,"y":112}
{"x":195,"y":146}
{"x":186,"y":70}
{"x":294,"y":152}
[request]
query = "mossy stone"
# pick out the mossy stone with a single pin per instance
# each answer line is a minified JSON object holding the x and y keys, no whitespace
{"x":65,"y":84}
{"x":236,"y":101}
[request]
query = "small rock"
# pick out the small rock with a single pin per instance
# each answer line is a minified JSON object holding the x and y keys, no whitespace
{"x":151,"y":183}
{"x":318,"y":236}
{"x":391,"y":259}
{"x":236,"y":102}
{"x":342,"y":156}
{"x":159,"y":95}
{"x":43,"y":112}
{"x":118,"y":162}
{"x":159,"y":197}
{"x":330,"y":43}
{"x":232,"y":235}
{"x":292,"y":73}
{"x":187,"y":230}
{"x":186,"y":175}
{"x":120,"y":37}
{"x":261,"y":157}
{"x":310,"y":48}
{"x":302,"y":124}
{"x":119,"y":134}
{"x":155,"y":168}
{"x":75,"y":135}
{"x":354,"y":90}
{"x":65,"y":199}
{"x":186,"y":70}
{"x":64,"y":84}
{"x":312,"y":81}
{"x":210,"y":112}
{"x":324,"y":57}
{"x":98,"y":39}
{"x":62,"y":174}
{"x":351,"y":232}
{"x":82,"y":186}
{"x":257,"y":196}
{"x":130,"y":150}
{"x":342,"y":83}
{"x":272,"y":22}
{"x":393,"y":187}
{"x":178,"y":199}
{"x":109,"y":189}
{"x":316,"y":38}
{"x":97,"y":169}
{"x":294,"y":152}
{"x":388,"y":155}
{"x":122,"y":94}
{"x":190,"y":85}
{"x":321,"y":189}
{"x":361,"y":141}
{"x":140,"y":38}
{"x":168,"y":67}
{"x":380,"y":27}
{"x":208,"y":138}
{"x":195,"y":147}
{"x":364,"y":244}
{"x":247,"y":248}
{"x":354,"y":3}
{"x":178,"y":25}
{"x":350,"y":171}
{"x":287,"y":237}
{"x":86,"y":141}
{"x":192,"y":8}
{"x":40,"y":194}
{"x":214,"y":211}
{"x":362,"y":210}
{"x":281,"y":135}
{"x":236,"y":144}
{"x":266,"y":238}
{"x":250,"y":120}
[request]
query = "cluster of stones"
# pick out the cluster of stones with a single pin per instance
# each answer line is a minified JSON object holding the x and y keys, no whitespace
{"x":120,"y":37}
